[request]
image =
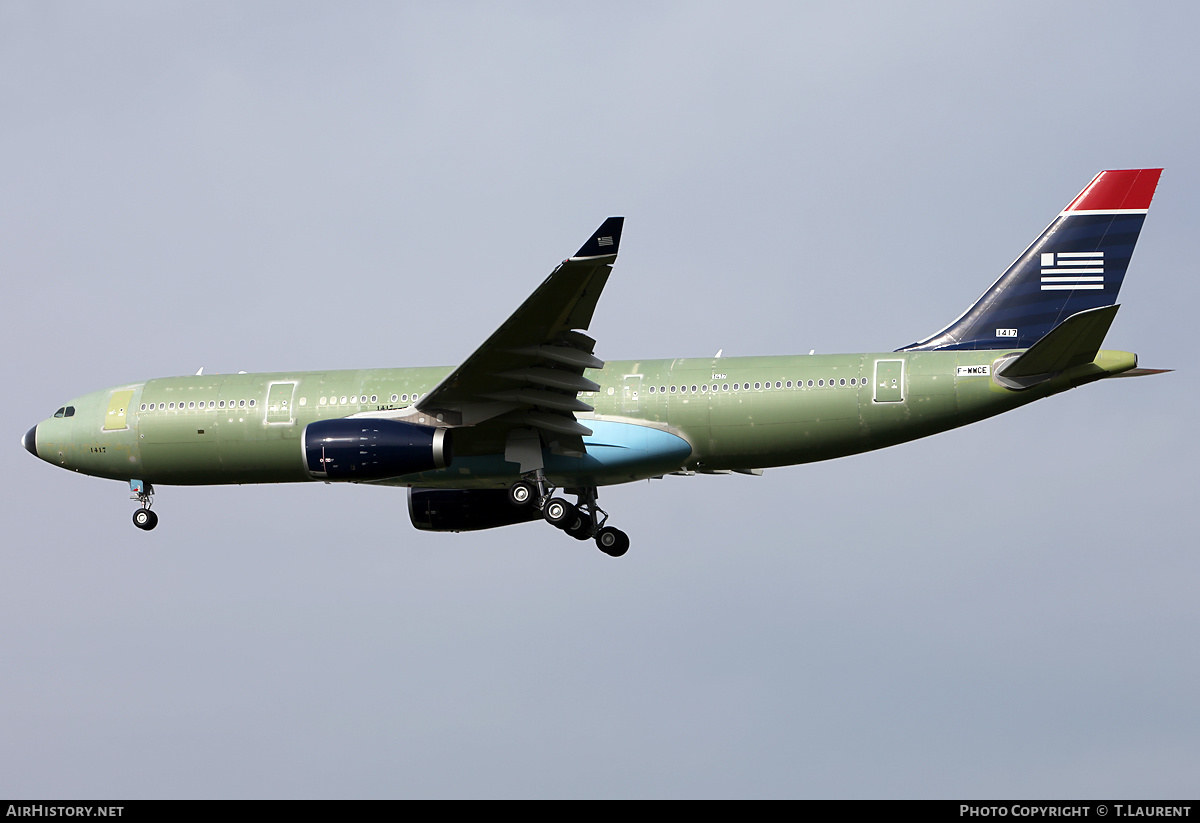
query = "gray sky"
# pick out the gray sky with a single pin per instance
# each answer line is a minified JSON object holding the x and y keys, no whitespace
{"x":1007,"y":610}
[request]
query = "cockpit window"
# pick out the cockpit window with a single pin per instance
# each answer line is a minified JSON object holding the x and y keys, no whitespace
{"x":70,"y":411}
{"x":60,"y":412}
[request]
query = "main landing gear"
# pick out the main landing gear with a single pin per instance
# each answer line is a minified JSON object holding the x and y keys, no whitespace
{"x":143,"y":518}
{"x":584,"y":520}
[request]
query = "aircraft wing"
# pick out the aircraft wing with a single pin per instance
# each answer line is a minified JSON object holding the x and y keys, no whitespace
{"x":529,"y":373}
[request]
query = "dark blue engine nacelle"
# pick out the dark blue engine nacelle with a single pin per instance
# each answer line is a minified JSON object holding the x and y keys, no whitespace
{"x":465,"y":510}
{"x":368,"y":448}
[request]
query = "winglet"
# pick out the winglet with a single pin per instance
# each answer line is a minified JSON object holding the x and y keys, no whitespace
{"x":604,"y":242}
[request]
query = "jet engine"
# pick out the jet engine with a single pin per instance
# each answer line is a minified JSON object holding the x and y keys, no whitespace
{"x":465,"y":510}
{"x":366,"y":448}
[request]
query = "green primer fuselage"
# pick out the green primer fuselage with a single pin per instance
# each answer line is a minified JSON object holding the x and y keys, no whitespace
{"x":735,"y":413}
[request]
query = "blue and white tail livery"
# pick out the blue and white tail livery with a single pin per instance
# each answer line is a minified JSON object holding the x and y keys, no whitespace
{"x":1077,"y":264}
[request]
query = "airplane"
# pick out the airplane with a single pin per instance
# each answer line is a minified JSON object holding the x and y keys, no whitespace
{"x":533,"y":414}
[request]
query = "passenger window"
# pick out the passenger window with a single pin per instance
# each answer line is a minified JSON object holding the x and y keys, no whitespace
{"x":251,"y":404}
{"x":394,"y":398}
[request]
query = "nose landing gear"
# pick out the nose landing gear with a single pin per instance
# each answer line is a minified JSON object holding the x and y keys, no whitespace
{"x":143,"y":518}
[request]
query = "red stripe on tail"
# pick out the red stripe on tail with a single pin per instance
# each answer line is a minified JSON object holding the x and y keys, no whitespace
{"x":1123,"y":189}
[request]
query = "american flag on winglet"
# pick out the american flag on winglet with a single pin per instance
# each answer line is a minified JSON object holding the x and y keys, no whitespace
{"x":1072,"y":270}
{"x":604,"y":241}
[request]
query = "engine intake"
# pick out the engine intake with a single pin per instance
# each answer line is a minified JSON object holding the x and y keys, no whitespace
{"x":368,"y":448}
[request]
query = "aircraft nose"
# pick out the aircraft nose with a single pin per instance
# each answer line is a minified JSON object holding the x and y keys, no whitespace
{"x":29,"y":441}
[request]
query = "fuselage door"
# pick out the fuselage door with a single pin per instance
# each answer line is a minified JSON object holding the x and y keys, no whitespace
{"x":279,"y":402}
{"x":115,"y":419}
{"x":889,"y":381}
{"x":633,"y":389}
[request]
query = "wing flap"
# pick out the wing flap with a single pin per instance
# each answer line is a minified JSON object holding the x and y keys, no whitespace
{"x":530,"y":371}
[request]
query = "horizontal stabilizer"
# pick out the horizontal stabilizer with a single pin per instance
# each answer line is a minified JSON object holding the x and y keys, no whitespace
{"x":1141,"y":372}
{"x":1073,"y":342}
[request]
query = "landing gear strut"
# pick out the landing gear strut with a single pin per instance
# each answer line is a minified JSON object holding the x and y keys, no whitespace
{"x":143,"y":518}
{"x":584,"y":521}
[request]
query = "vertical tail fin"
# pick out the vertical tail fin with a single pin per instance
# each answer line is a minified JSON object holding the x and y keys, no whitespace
{"x":1077,"y":263}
